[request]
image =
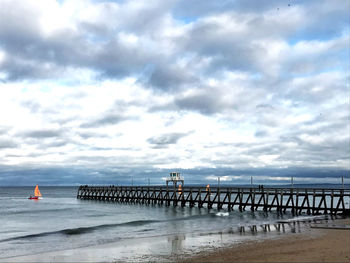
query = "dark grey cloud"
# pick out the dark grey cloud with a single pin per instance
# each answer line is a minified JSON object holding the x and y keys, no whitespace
{"x":225,"y":50}
{"x":4,"y":130}
{"x":87,"y":135}
{"x":12,"y":175}
{"x":98,"y":46}
{"x":260,"y":133}
{"x":170,"y":78}
{"x":264,"y":107}
{"x":7,"y":143}
{"x":328,"y":150}
{"x":204,"y":102}
{"x":107,"y":119}
{"x":42,"y":134}
{"x":56,"y":143}
{"x":33,"y":106}
{"x":144,"y":18}
{"x":32,"y":54}
{"x":165,"y":140}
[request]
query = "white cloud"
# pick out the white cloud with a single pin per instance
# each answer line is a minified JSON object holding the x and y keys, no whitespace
{"x":131,"y":84}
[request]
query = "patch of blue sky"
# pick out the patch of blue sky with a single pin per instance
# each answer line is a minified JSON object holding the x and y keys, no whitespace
{"x":186,"y":19}
{"x":96,"y":39}
{"x":319,"y":34}
{"x":307,"y":36}
{"x":45,"y":89}
{"x":256,"y":76}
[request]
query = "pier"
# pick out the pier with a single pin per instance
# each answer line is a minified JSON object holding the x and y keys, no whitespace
{"x":294,"y":200}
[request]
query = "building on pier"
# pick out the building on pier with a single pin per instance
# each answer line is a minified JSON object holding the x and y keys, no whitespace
{"x":175,"y":178}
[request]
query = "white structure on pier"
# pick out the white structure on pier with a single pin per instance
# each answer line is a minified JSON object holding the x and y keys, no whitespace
{"x":175,"y":178}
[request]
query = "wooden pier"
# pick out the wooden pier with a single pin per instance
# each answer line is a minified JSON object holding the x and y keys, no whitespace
{"x":294,"y":200}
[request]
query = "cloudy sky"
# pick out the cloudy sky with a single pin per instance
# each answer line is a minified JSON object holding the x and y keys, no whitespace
{"x":98,"y":91}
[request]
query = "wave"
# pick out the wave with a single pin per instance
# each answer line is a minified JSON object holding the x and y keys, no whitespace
{"x":303,"y":218}
{"x":83,"y":230}
{"x":36,"y":211}
{"x":80,"y":230}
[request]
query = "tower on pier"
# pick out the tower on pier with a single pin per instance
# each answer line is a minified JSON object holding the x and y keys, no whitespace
{"x":174,"y":178}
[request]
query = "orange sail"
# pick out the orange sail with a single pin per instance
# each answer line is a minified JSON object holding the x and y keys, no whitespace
{"x":37,"y":191}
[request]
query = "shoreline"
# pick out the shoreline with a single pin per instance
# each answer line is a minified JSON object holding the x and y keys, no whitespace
{"x":301,"y":244}
{"x":315,"y":245}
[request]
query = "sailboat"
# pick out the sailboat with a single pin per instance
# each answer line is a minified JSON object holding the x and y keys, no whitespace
{"x":37,"y":194}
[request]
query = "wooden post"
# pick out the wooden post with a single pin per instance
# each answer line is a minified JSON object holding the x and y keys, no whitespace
{"x":208,"y":195}
{"x":240,"y":199}
{"x":307,"y":202}
{"x":219,"y":205}
{"x":253,"y":199}
{"x":313,"y":202}
{"x":174,"y":197}
{"x":229,"y":199}
{"x":297,"y":202}
{"x":266,"y":201}
{"x":191,"y":197}
{"x":332,"y":200}
{"x":281,"y":203}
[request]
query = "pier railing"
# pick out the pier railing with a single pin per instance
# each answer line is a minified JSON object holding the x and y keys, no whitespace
{"x":295,"y":200}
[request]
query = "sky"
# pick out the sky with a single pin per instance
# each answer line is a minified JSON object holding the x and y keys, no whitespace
{"x":109,"y":92}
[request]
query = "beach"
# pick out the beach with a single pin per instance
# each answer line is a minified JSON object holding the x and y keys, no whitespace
{"x":314,"y":245}
{"x":309,"y":245}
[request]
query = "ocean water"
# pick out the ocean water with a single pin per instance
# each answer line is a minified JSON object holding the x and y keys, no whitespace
{"x":60,"y":221}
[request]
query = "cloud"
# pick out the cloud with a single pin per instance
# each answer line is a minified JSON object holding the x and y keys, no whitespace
{"x":206,"y":103}
{"x":108,"y":119}
{"x":76,"y":176}
{"x":229,"y":88}
{"x":260,"y":133}
{"x":165,"y":140}
{"x":170,"y":78}
{"x":7,"y":143}
{"x":42,"y":134}
{"x":87,"y":135}
{"x":4,"y":130}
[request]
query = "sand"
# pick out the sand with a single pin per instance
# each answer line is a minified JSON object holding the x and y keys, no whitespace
{"x":316,"y":245}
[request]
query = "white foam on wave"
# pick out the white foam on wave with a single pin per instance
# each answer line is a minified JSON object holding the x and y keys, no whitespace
{"x":222,"y":214}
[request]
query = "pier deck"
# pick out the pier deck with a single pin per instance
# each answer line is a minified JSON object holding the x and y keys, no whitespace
{"x":294,"y":200}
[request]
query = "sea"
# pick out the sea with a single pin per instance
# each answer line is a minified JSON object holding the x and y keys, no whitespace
{"x":61,"y":227}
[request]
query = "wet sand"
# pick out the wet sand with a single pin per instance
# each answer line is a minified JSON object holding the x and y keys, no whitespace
{"x":315,"y":245}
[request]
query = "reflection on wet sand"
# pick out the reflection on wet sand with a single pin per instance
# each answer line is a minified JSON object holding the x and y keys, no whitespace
{"x":176,"y":243}
{"x":294,"y":226}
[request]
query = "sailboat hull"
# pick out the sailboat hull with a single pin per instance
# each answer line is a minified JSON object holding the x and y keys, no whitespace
{"x":35,"y":197}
